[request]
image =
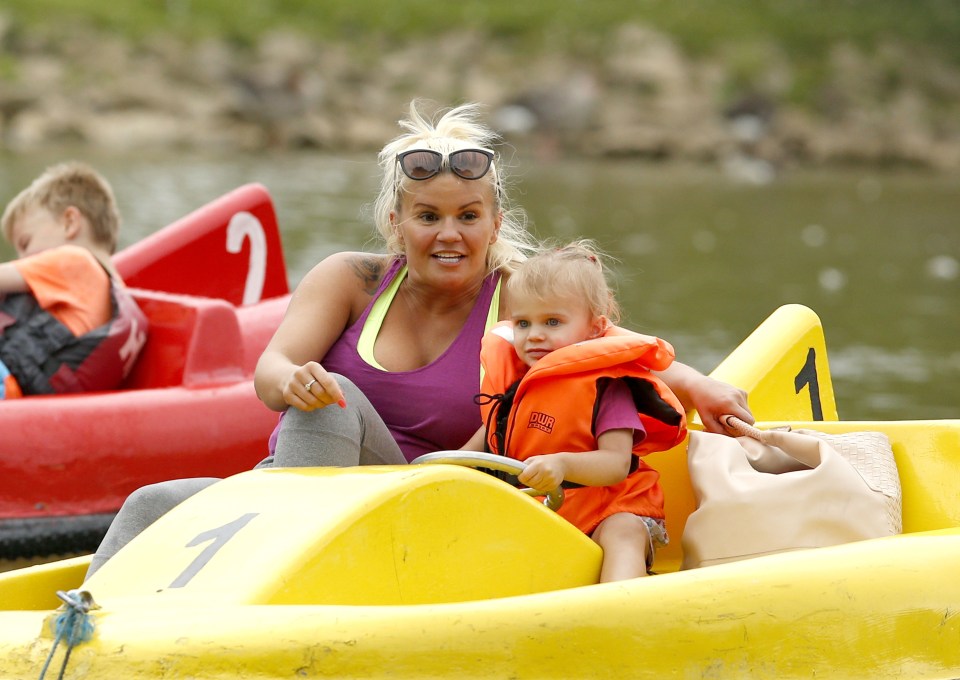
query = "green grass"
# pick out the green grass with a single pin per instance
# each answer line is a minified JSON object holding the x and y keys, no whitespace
{"x":800,"y":26}
{"x":739,"y":31}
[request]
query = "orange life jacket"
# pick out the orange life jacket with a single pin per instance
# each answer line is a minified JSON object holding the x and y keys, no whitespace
{"x":550,"y":408}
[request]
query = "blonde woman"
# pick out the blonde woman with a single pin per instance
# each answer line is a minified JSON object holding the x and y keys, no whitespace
{"x":377,"y":358}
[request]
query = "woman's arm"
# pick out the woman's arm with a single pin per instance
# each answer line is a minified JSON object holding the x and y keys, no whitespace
{"x":478,"y":442}
{"x":323,"y":305}
{"x":711,"y":398}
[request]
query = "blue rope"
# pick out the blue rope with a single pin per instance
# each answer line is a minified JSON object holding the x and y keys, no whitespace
{"x":73,"y":625}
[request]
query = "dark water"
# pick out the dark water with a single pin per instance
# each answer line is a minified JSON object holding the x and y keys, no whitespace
{"x":703,"y":257}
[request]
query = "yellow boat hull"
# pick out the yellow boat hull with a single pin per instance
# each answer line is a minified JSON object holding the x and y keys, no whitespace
{"x":441,"y":571}
{"x":826,"y":613}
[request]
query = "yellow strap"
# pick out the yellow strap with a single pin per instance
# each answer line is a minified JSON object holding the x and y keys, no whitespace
{"x":371,"y":329}
{"x":378,"y":313}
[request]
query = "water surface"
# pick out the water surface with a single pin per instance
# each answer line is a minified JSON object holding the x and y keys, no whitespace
{"x":702,"y":257}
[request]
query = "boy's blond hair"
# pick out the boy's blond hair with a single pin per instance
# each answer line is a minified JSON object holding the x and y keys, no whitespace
{"x":70,"y":184}
{"x":575,"y":270}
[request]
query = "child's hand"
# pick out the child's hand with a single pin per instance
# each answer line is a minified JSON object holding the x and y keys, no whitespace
{"x":544,"y":473}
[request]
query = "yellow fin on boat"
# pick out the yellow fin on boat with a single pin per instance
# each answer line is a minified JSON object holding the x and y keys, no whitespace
{"x":783,"y":367}
{"x":368,"y":535}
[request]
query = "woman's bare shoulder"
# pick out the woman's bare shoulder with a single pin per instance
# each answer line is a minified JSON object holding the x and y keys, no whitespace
{"x":352,"y":270}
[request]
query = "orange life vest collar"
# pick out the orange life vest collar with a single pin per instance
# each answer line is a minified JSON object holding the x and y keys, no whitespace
{"x":554,"y":403}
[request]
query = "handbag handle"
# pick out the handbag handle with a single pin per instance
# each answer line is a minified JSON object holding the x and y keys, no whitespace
{"x":801,"y":447}
{"x":741,"y":428}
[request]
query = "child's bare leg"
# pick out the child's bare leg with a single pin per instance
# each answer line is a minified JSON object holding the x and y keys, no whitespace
{"x":626,"y":543}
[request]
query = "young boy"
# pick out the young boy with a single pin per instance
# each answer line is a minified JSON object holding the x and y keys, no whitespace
{"x":575,"y":398}
{"x":67,"y":324}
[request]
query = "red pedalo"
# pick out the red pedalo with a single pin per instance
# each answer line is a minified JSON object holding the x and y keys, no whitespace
{"x":213,"y":286}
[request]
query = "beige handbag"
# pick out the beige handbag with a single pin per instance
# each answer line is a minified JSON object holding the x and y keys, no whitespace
{"x":768,"y":491}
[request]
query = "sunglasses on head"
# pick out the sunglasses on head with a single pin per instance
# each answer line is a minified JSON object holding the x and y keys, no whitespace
{"x":422,"y":164}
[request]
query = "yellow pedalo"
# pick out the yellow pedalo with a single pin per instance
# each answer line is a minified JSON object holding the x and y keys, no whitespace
{"x":441,"y":571}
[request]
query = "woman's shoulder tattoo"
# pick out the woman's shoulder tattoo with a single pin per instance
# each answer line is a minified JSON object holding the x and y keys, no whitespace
{"x":369,"y":269}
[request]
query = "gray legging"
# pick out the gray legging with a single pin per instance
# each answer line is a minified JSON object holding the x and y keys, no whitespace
{"x":328,"y":437}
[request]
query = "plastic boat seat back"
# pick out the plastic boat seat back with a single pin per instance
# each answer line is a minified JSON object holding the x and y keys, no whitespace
{"x":191,"y":341}
{"x":362,"y":536}
{"x":783,"y":366}
{"x":228,"y":249}
{"x":257,"y":325}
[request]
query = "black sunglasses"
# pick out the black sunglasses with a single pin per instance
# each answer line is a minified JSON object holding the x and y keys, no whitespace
{"x":422,"y":164}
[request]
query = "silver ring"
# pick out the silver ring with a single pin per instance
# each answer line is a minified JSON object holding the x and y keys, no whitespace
{"x":309,"y":385}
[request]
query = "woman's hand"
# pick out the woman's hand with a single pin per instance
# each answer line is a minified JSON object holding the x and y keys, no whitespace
{"x":713,"y":399}
{"x":310,"y":387}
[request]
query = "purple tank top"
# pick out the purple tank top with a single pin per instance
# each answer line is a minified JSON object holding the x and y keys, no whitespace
{"x":429,"y":408}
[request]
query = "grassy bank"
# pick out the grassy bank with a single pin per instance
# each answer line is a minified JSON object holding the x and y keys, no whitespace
{"x":799,"y":24}
{"x":848,"y":80}
{"x":743,"y":34}
{"x":802,"y":28}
